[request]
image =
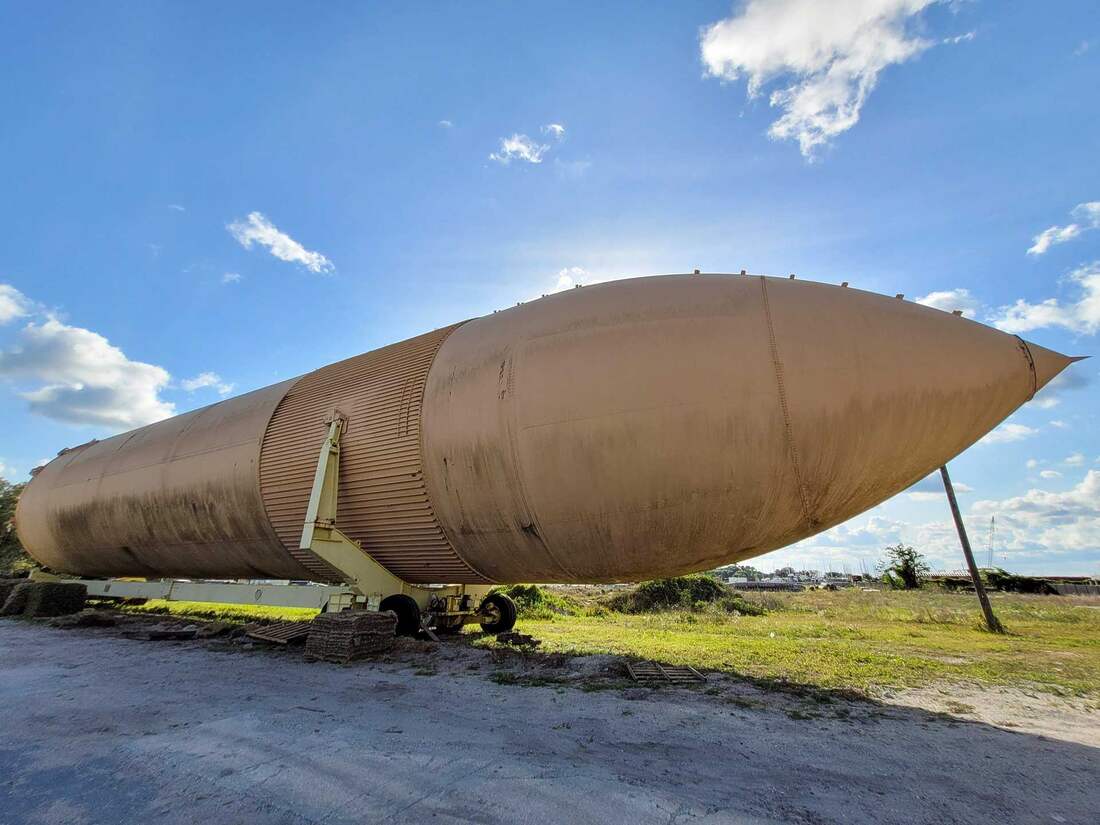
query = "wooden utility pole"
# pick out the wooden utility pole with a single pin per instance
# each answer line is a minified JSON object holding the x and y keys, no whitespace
{"x":979,"y":588}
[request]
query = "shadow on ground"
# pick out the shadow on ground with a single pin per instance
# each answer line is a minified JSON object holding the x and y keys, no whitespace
{"x":99,"y":728}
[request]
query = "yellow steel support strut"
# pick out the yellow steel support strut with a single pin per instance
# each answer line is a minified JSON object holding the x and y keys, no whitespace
{"x":324,"y":539}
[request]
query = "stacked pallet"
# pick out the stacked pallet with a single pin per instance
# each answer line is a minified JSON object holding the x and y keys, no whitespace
{"x":44,"y":599}
{"x":353,"y":634}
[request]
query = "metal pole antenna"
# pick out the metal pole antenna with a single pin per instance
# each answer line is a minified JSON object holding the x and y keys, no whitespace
{"x":990,"y":620}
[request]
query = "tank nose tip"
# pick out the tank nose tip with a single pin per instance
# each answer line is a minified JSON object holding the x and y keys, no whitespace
{"x":1049,"y":363}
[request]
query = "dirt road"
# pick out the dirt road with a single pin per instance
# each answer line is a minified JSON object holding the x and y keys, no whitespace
{"x":102,"y":729}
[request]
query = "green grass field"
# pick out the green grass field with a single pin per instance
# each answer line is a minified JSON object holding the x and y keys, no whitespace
{"x":849,"y":640}
{"x":236,"y":613}
{"x":862,"y":641}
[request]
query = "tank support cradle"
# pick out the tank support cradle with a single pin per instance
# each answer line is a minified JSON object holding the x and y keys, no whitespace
{"x":441,"y":606}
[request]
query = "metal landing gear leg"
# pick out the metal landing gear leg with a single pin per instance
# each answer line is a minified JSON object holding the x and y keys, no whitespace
{"x":419,"y":609}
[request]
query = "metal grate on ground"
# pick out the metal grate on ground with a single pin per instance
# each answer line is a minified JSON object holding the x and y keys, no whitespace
{"x":656,"y":673}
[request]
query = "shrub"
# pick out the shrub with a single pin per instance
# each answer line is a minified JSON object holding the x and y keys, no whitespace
{"x":532,"y":602}
{"x":695,"y":593}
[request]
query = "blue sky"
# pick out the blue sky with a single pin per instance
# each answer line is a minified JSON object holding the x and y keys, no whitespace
{"x":200,"y":199}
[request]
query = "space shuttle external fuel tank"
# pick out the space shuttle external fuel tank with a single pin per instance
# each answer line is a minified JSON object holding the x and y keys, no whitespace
{"x":619,"y":432}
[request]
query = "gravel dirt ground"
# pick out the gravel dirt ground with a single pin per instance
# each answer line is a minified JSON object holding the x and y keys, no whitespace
{"x":99,"y":728}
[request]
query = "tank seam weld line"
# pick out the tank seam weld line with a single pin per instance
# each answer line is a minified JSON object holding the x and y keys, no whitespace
{"x":1030,"y":364}
{"x":792,"y":448}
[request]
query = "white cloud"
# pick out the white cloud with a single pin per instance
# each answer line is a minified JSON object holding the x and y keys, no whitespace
{"x":1053,"y":236}
{"x":962,"y":38}
{"x":84,"y":379}
{"x":568,"y":278}
{"x":827,"y":58}
{"x":519,"y":147}
{"x":446,"y":124}
{"x":930,"y":488}
{"x":13,"y":304}
{"x":1059,"y":424}
{"x":1050,"y":474}
{"x":207,"y":379}
{"x":231,"y":278}
{"x":1081,"y":316}
{"x":1075,"y":460}
{"x":258,"y":229}
{"x":1006,"y":433}
{"x":1032,"y":463}
{"x":951,"y":299}
{"x":554,"y":129}
{"x":177,"y":207}
{"x":1086,"y":216}
{"x":1050,"y":522}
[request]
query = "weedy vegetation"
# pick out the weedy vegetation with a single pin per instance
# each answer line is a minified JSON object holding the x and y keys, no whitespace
{"x":868,"y":642}
{"x":853,"y":640}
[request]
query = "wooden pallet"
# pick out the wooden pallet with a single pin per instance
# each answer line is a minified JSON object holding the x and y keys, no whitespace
{"x":655,"y":672}
{"x":280,"y":633}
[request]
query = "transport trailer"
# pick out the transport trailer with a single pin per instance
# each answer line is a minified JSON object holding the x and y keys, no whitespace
{"x":420,"y":609}
{"x":619,"y":432}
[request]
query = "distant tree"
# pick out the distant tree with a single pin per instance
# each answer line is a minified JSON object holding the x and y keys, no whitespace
{"x":12,"y":555}
{"x":902,"y":567}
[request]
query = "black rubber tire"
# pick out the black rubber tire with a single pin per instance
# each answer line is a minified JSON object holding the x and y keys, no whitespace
{"x":407,"y":610}
{"x":505,"y":609}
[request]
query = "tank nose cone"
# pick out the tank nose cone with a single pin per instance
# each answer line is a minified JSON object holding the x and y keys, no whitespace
{"x":1048,"y":363}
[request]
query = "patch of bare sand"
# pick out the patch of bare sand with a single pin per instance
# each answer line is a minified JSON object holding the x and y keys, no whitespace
{"x":1068,"y":719}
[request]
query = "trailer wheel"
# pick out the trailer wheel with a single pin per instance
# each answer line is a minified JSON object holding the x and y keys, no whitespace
{"x":407,"y":610}
{"x":498,"y":613}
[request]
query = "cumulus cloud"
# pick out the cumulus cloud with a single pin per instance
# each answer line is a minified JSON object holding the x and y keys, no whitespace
{"x":257,"y":229}
{"x":446,"y":124}
{"x":1059,"y":424}
{"x":231,"y":278}
{"x":1049,"y":474}
{"x":1081,"y":316}
{"x":555,"y":130}
{"x":207,"y":379}
{"x":951,"y":299}
{"x":13,"y":304}
{"x":1051,"y":522}
{"x":1085,"y":216}
{"x":1075,"y":460}
{"x":519,"y":147}
{"x":568,"y":278}
{"x":1007,"y":433}
{"x":83,"y":378}
{"x":825,"y":57}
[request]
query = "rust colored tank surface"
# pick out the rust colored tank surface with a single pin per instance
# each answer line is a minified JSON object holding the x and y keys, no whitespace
{"x":623,"y":431}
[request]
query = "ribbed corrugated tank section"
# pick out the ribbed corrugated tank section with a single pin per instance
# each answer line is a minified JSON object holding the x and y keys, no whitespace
{"x":383,"y":500}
